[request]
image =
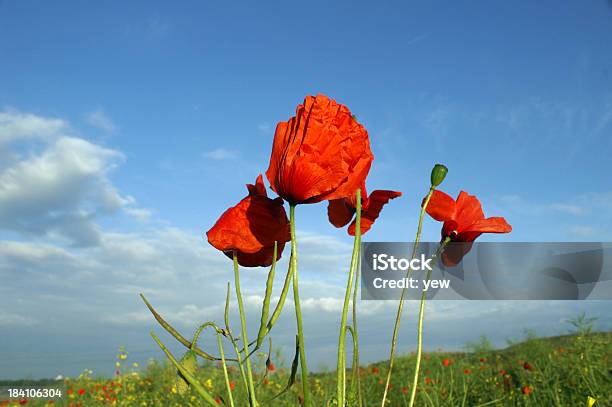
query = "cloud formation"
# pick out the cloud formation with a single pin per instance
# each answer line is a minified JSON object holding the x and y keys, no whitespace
{"x":99,"y":119}
{"x":60,"y":186}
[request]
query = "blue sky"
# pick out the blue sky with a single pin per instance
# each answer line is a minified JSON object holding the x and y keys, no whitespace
{"x":127,"y":128}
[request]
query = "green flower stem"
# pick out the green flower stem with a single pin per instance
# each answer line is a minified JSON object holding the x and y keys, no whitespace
{"x":356,"y":375}
{"x":227,"y":382}
{"x":233,"y":341}
{"x":184,"y":341}
{"x":278,"y":308}
{"x":188,"y":376}
{"x":219,"y":332}
{"x":298,"y":310}
{"x":265,"y":309}
{"x":400,"y":307}
{"x":417,"y":367}
{"x":245,"y":340}
{"x":341,"y":371}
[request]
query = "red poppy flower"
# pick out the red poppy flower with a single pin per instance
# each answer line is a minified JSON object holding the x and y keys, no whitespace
{"x":405,"y":390}
{"x":467,"y":371}
{"x":526,"y":390}
{"x":341,"y":211}
{"x":251,"y":227}
{"x":464,"y":221}
{"x":81,"y":392}
{"x":271,"y":367}
{"x":321,"y":153}
{"x":527,"y":366}
{"x":446,"y":362}
{"x":375,"y":370}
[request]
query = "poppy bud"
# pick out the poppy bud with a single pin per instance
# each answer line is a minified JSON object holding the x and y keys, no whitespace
{"x":190,"y":363}
{"x":438,"y":173}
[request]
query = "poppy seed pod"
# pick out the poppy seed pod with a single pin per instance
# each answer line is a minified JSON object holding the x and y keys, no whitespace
{"x":438,"y":173}
{"x":190,"y":362}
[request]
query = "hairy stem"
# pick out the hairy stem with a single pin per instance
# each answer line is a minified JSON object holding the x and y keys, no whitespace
{"x":341,"y":371}
{"x":298,"y":310}
{"x":400,"y":307}
{"x":417,"y":367}
{"x":245,"y":340}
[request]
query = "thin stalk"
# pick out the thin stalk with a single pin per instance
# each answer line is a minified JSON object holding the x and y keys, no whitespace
{"x":188,"y":376}
{"x":227,"y":382}
{"x":245,"y":340}
{"x":400,"y":307}
{"x":298,"y":309}
{"x":233,"y":341}
{"x":415,"y":380}
{"x":219,"y":332}
{"x":277,"y":309}
{"x":341,"y":371}
{"x":356,"y":375}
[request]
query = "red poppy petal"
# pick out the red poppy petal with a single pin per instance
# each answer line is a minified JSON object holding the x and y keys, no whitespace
{"x":322,"y":153}
{"x":441,"y":206}
{"x":339,"y":213}
{"x":489,"y":225}
{"x":374,"y":205}
{"x":250,"y":228}
{"x":259,"y":188}
{"x":262,"y":258}
{"x":468,"y":210}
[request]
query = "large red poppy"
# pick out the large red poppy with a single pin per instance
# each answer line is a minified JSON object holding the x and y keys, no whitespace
{"x":321,"y":153}
{"x":341,"y":211}
{"x":464,"y":221}
{"x":251,"y":227}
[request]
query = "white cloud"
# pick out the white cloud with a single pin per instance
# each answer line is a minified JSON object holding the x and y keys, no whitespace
{"x":99,"y":119}
{"x":220,"y":154}
{"x":60,"y":189}
{"x":15,"y":125}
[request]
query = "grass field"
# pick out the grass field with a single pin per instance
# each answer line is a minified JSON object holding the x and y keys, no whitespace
{"x":556,"y":371}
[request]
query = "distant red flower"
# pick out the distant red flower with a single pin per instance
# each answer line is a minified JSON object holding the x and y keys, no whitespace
{"x":405,"y":390}
{"x":251,"y":228}
{"x":467,"y":371}
{"x":482,"y":360}
{"x":464,"y":221}
{"x":526,"y":390}
{"x":390,"y":386}
{"x":232,"y":385}
{"x":428,"y":380}
{"x":69,"y":391}
{"x":321,"y":153}
{"x":447,"y":362}
{"x":375,"y":370}
{"x":23,"y":402}
{"x":527,"y":366}
{"x":81,"y":392}
{"x":271,"y":367}
{"x":503,"y":372}
{"x":341,"y":211}
{"x":218,"y":400}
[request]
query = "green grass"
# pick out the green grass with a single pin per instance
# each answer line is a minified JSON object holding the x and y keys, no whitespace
{"x":556,"y":371}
